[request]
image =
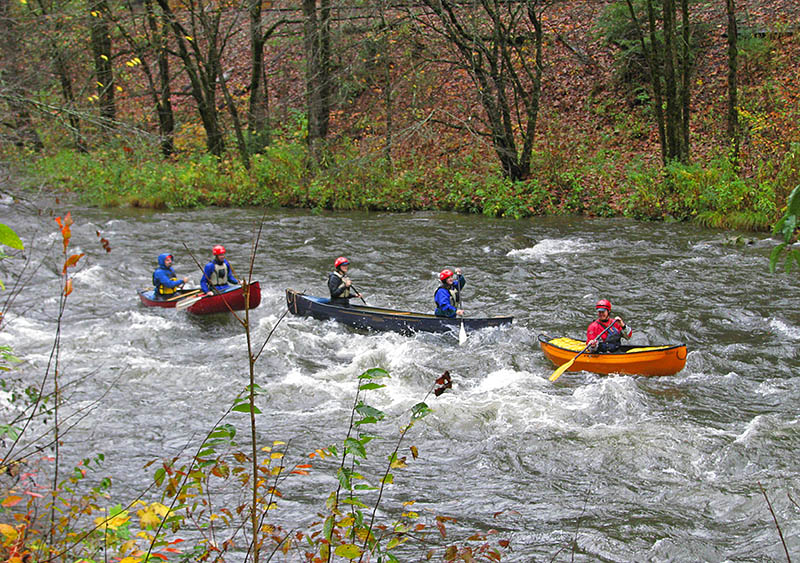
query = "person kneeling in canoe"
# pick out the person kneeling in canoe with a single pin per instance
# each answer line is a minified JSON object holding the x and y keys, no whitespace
{"x":340,"y":286}
{"x":217,"y":274}
{"x":165,"y":280}
{"x":605,"y":334}
{"x":448,"y":296}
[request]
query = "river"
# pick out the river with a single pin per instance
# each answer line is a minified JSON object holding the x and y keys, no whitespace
{"x":588,"y":468}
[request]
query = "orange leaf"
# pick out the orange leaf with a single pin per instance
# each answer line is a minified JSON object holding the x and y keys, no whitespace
{"x":11,"y":501}
{"x":300,"y":472}
{"x":71,"y":261}
{"x":68,"y":287}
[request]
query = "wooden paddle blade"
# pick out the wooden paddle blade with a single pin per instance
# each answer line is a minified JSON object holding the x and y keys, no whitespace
{"x":462,"y":334}
{"x":561,"y":369}
{"x":186,"y":303}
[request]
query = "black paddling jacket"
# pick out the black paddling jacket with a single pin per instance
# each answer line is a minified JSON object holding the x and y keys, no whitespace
{"x":340,"y":293}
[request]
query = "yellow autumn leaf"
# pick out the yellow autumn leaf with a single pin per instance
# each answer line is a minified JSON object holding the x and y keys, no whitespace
{"x":399,"y":463}
{"x":148,"y":518}
{"x":10,"y":533}
{"x":113,"y":523}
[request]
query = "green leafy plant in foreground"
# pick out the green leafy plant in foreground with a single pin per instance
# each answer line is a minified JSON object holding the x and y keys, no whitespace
{"x":786,"y":228}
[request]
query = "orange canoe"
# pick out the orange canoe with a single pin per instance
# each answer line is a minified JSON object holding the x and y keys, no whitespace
{"x":632,"y":360}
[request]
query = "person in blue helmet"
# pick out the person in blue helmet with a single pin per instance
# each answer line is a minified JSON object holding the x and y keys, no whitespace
{"x":448,"y":296}
{"x":217,"y":274}
{"x":165,"y":280}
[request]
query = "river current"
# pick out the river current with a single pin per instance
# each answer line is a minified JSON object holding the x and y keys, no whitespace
{"x":589,"y":468}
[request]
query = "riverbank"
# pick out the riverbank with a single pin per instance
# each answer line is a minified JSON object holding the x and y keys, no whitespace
{"x":711,"y":195}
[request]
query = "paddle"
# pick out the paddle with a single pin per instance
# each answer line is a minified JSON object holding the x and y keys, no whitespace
{"x":188,"y":302}
{"x":564,"y":367}
{"x":462,"y":334}
{"x":359,"y":293}
{"x":184,"y":294}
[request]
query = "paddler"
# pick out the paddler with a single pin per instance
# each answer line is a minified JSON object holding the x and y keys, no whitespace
{"x":165,"y":280}
{"x":340,"y":286}
{"x":611,"y":340}
{"x":217,"y":274}
{"x":448,"y":295}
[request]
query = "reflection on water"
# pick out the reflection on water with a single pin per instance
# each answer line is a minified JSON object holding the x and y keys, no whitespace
{"x":629,"y":468}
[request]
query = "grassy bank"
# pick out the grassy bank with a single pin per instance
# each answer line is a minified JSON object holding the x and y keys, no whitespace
{"x":711,"y":194}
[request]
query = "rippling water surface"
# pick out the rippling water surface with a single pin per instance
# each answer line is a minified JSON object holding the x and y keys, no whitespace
{"x":627,"y":468}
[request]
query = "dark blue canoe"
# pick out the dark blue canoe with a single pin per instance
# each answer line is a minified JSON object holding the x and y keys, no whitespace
{"x":374,"y":318}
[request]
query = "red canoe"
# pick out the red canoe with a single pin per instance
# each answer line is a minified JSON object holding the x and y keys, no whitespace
{"x":232,"y":299}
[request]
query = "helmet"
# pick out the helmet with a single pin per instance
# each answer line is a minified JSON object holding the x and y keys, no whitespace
{"x":603,"y":304}
{"x":341,"y":261}
{"x":217,"y":250}
{"x":444,"y":274}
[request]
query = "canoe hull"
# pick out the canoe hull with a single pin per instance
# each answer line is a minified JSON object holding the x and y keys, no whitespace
{"x":630,"y":360}
{"x":374,"y":318}
{"x":209,"y":304}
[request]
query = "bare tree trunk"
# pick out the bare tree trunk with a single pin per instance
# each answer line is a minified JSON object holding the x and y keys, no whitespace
{"x":163,"y":101}
{"x":493,"y":42}
{"x":670,"y":85}
{"x":65,"y":80}
{"x":101,"y":52}
{"x":20,"y":121}
{"x":202,"y":69}
{"x":241,"y":144}
{"x":61,"y":70}
{"x":656,"y":73}
{"x":259,"y":102}
{"x":318,"y":88}
{"x":387,"y":92}
{"x":686,"y":88}
{"x":733,"y":114}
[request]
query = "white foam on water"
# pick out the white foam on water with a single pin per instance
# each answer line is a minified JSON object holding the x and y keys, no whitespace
{"x":784,"y":329}
{"x":92,"y":277}
{"x":750,"y":430}
{"x":22,"y":329}
{"x":548,"y":247}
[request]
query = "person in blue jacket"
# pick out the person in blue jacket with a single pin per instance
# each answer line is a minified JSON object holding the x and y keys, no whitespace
{"x":448,"y":296}
{"x":165,"y":280}
{"x":217,"y":274}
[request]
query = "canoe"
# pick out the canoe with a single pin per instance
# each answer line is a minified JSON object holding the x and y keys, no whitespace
{"x":218,"y":303}
{"x":374,"y":318}
{"x":666,"y":359}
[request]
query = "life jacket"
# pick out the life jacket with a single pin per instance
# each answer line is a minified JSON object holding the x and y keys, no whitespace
{"x":220,"y":274}
{"x":346,"y":294}
{"x":160,"y":289}
{"x":451,"y":290}
{"x":611,"y":340}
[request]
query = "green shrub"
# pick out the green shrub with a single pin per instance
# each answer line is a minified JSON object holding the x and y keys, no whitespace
{"x":713,"y":195}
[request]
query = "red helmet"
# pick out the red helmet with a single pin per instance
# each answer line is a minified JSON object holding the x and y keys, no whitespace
{"x":444,"y":274}
{"x":217,"y":250}
{"x":603,"y":304}
{"x":341,"y":261}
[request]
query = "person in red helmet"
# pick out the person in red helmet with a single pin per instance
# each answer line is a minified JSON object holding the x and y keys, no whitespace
{"x":340,"y":286}
{"x":448,"y":295}
{"x":611,"y":340}
{"x":218,"y":273}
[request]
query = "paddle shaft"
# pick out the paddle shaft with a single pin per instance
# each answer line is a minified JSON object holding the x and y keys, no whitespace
{"x":182,"y":295}
{"x":564,"y":367}
{"x":359,"y":293}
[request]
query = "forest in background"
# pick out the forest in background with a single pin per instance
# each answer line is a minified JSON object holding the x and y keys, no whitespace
{"x":652,"y":109}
